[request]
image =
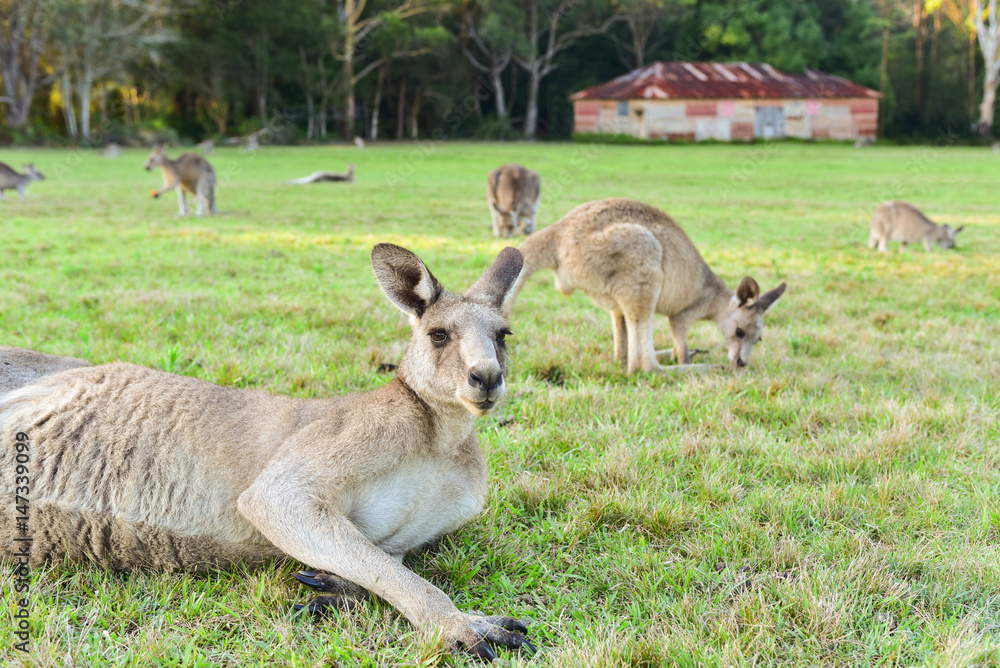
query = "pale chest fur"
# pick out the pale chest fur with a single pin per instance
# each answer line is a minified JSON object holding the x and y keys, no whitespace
{"x":424,"y":497}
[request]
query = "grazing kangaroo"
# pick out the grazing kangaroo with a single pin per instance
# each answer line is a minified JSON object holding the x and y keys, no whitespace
{"x":135,"y":467}
{"x":325,"y":177}
{"x":11,"y":180}
{"x":190,"y":173}
{"x":513,"y":194}
{"x":207,"y":147}
{"x":631,"y":259}
{"x":111,"y":151}
{"x":900,"y":221}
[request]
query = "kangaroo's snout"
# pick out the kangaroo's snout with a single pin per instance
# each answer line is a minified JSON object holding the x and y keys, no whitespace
{"x":485,"y":380}
{"x":740,"y":363}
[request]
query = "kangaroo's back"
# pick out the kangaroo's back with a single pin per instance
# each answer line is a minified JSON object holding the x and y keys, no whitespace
{"x":8,"y":177}
{"x":20,"y":367}
{"x":192,"y":170}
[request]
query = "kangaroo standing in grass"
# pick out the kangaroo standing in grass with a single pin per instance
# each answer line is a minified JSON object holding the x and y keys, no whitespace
{"x":631,"y":259}
{"x":11,"y":180}
{"x":135,"y":467}
{"x":190,"y":173}
{"x":513,"y":194}
{"x":900,"y":221}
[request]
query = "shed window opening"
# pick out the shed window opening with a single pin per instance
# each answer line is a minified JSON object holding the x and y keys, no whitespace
{"x":623,"y":108}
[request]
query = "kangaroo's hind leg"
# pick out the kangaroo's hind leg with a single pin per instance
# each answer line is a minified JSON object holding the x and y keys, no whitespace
{"x":621,"y":338}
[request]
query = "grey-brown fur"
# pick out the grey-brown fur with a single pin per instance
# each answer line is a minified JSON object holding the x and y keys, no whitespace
{"x":901,"y":221}
{"x":189,"y":173}
{"x":20,"y":367}
{"x":13,"y":180}
{"x":513,"y":194}
{"x":134,"y":467}
{"x":633,"y":260}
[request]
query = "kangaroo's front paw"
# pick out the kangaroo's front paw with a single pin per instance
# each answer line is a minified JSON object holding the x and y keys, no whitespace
{"x":479,"y":636}
{"x":345,"y":595}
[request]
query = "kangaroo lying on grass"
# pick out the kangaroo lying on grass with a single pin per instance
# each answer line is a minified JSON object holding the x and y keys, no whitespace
{"x":190,"y":173}
{"x":631,"y":259}
{"x":323,"y":176}
{"x":513,"y":193}
{"x":135,"y":467}
{"x":11,"y":180}
{"x":899,"y":221}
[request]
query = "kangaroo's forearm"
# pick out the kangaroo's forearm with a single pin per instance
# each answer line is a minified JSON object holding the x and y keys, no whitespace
{"x":322,"y":537}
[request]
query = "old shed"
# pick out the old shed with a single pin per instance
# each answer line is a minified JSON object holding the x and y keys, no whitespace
{"x":726,"y":102}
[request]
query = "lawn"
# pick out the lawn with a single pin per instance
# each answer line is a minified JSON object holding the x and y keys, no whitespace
{"x":836,"y":503}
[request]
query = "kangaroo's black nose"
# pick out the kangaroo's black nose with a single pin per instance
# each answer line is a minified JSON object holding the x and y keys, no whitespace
{"x":740,"y":363}
{"x":485,"y":380}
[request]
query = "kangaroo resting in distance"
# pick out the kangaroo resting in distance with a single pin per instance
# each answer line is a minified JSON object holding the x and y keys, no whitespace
{"x":633,"y":260}
{"x":323,"y":177}
{"x":513,"y":193}
{"x":190,"y":173}
{"x":135,"y":467}
{"x":900,"y":221}
{"x":11,"y":180}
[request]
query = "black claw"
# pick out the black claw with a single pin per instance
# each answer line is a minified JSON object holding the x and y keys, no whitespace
{"x":308,"y":578}
{"x":508,"y":623}
{"x":318,"y":606}
{"x":483,"y":651}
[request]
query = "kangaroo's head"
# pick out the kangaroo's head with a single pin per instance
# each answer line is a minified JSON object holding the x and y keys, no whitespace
{"x":155,"y":158}
{"x":946,"y":239}
{"x":743,"y":326}
{"x":33,"y":173}
{"x":508,"y":221}
{"x":457,"y":355}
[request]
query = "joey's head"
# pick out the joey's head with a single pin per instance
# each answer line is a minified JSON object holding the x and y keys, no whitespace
{"x":946,"y":238}
{"x":457,"y":354}
{"x":743,"y":325}
{"x":155,"y":158}
{"x":33,"y":173}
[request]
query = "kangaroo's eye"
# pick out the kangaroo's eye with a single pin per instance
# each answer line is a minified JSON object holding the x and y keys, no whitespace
{"x":740,"y":333}
{"x":439,"y":337}
{"x":502,"y":336}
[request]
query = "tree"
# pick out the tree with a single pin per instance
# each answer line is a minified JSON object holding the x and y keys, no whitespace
{"x":24,"y":36}
{"x":96,"y":38}
{"x":643,"y":18}
{"x":357,"y":31}
{"x":988,"y":33}
{"x":494,"y":41}
{"x":959,"y":12}
{"x":539,"y":62}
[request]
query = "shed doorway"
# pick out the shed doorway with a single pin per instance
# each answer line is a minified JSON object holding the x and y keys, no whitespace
{"x":769,"y":122}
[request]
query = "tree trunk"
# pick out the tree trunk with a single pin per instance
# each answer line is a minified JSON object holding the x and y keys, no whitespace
{"x":401,"y":110}
{"x":985,"y":125}
{"x":415,"y":115}
{"x":324,"y":98}
{"x":377,"y":104}
{"x":69,"y":113}
{"x":934,"y":39}
{"x":883,"y":81}
{"x":84,"y":86}
{"x":308,"y":87}
{"x":349,"y":110}
{"x":918,"y":26}
{"x":498,"y":92}
{"x":972,"y":76}
{"x":531,"y":114}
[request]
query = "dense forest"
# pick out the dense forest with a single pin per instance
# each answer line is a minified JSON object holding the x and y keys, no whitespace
{"x":316,"y":70}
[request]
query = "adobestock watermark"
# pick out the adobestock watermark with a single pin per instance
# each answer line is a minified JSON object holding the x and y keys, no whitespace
{"x":22,"y":541}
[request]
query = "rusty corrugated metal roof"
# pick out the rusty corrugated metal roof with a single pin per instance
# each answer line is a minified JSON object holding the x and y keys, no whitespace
{"x":708,"y":81}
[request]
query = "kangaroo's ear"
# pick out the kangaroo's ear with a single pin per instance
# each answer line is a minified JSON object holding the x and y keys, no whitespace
{"x":767,"y":299}
{"x":404,"y":279}
{"x":496,"y":284}
{"x":747,"y":292}
{"x":957,"y":230}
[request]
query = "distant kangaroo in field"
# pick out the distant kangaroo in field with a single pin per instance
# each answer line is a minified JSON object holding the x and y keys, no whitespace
{"x":11,"y":180}
{"x":190,"y":173}
{"x":900,"y":221}
{"x":631,"y":259}
{"x":134,"y":467}
{"x":513,"y":193}
{"x":323,"y":177}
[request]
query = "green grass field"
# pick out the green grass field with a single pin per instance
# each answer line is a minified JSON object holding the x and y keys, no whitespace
{"x":837,"y":503}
